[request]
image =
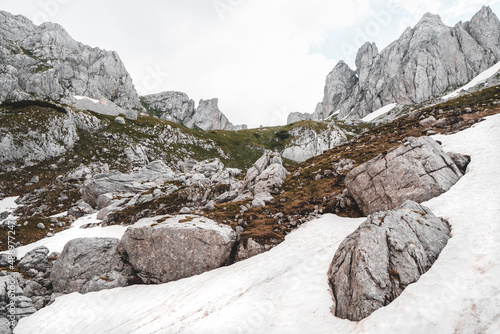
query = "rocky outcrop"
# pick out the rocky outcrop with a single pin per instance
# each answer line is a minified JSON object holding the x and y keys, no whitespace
{"x":37,"y":265}
{"x":423,"y":63}
{"x":35,"y":259}
{"x":179,"y":108}
{"x":175,"y":107}
{"x":387,"y":252}
{"x":307,"y":142}
{"x":23,"y":145}
{"x":89,"y":264}
{"x":298,"y":116}
{"x":115,"y":182}
{"x":265,"y":176}
{"x":14,"y":305}
{"x":44,"y":62}
{"x":163,"y":250}
{"x":418,"y":170}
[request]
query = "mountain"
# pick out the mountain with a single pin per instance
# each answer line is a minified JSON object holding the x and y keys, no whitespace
{"x":426,"y":61}
{"x":45,"y":63}
{"x":179,"y":108}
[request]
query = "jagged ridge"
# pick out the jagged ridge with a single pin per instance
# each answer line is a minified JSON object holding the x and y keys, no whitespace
{"x":424,"y":62}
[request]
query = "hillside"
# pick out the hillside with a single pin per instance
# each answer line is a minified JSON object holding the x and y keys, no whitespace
{"x":127,"y":214}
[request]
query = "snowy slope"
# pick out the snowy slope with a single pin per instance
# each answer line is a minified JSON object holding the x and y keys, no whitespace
{"x":483,"y":76}
{"x":285,"y":290}
{"x":384,"y":110}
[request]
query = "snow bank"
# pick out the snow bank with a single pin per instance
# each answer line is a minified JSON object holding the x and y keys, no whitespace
{"x":79,"y":98}
{"x":57,"y":242}
{"x":379,"y":112}
{"x":286,"y":291}
{"x":483,"y":76}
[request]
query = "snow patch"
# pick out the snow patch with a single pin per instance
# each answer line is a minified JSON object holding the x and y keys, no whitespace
{"x":384,"y":110}
{"x":286,"y":290}
{"x":79,"y":98}
{"x":57,"y":242}
{"x":483,"y":76}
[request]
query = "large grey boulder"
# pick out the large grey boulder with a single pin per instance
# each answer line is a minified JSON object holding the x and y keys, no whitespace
{"x":168,"y":250}
{"x":424,"y":62}
{"x":89,"y":264}
{"x":387,"y":252}
{"x":418,"y":170}
{"x":43,"y":62}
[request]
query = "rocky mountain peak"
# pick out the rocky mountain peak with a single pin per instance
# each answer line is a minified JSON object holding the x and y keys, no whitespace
{"x":423,"y":63}
{"x":484,"y":27}
{"x":43,"y":62}
{"x":364,"y":60}
{"x":179,"y":108}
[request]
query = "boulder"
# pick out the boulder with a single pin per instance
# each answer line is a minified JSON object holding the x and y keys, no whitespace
{"x":462,"y":161}
{"x":89,"y":264}
{"x":248,"y":248}
{"x":227,"y":196}
{"x":163,"y":250}
{"x":266,"y":175}
{"x":387,"y":252}
{"x":120,"y":120}
{"x":115,"y":182}
{"x":258,"y":203}
{"x":35,"y":259}
{"x":418,"y":170}
{"x":80,"y":210}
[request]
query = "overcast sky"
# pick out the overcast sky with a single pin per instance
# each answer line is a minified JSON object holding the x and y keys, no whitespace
{"x":262,"y":58}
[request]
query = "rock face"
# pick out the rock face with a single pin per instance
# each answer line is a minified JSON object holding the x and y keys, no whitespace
{"x":170,"y":106}
{"x":307,"y":142}
{"x":387,"y":252}
{"x":423,"y":63}
{"x":179,"y":108}
{"x":89,"y":264}
{"x":418,"y":170}
{"x":164,"y":251}
{"x":31,"y":145}
{"x":44,"y":62}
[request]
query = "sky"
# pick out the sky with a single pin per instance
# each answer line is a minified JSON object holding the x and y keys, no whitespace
{"x":261,"y":58}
